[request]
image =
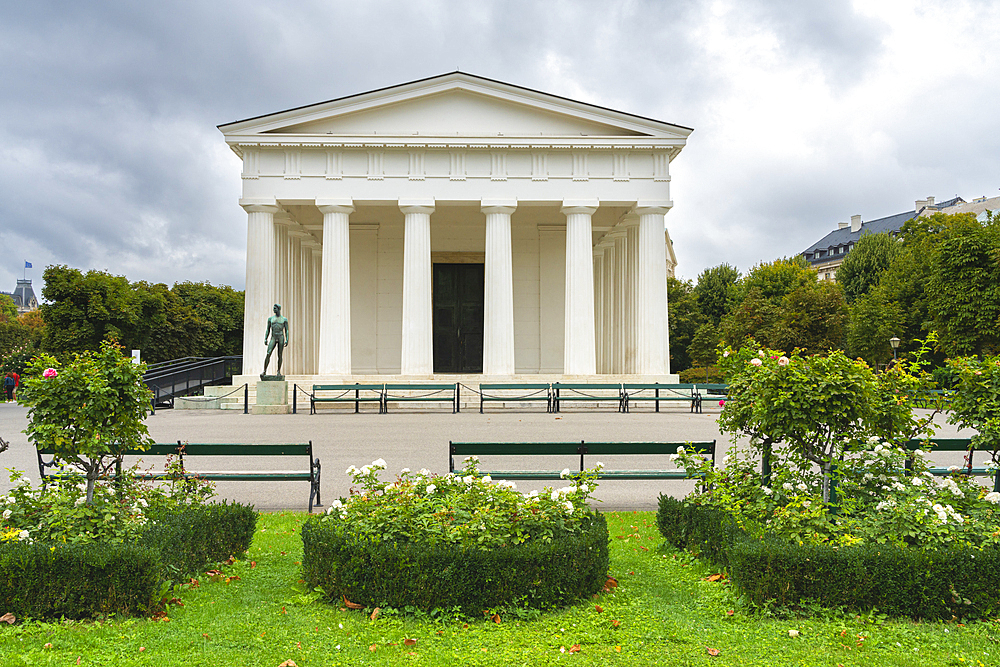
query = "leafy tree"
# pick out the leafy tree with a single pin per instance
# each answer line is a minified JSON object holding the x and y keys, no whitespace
{"x":874,"y":320}
{"x":8,"y":311}
{"x":773,"y":280}
{"x":712,"y":291}
{"x":870,"y":257}
{"x":963,"y":291}
{"x":221,"y":310}
{"x":809,"y":410}
{"x":975,"y":402}
{"x":704,"y":347}
{"x":813,"y":318}
{"x":683,"y":319}
{"x":87,"y":410}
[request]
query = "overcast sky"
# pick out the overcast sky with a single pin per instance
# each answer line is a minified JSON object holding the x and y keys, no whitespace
{"x":804,"y":112}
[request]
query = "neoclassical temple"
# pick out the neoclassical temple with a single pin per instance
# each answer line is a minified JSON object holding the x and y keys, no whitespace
{"x":458,"y":224}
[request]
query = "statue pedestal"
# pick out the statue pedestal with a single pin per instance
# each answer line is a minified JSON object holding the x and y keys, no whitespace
{"x":272,"y":398}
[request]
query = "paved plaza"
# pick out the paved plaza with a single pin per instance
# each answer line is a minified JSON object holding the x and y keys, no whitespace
{"x":412,"y":440}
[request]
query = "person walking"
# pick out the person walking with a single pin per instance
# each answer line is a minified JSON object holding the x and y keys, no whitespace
{"x":8,"y":386}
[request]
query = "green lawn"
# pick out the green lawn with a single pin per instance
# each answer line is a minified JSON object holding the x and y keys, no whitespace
{"x":664,"y":612}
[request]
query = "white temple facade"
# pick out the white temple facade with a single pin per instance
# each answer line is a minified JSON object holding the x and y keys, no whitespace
{"x":458,"y":225}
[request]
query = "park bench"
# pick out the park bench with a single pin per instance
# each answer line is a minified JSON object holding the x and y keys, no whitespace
{"x":362,"y":393}
{"x":184,"y":450}
{"x":539,"y":392}
{"x":430,"y":392}
{"x":581,"y":449}
{"x":584,"y":391}
{"x":655,"y":392}
{"x":953,"y":445}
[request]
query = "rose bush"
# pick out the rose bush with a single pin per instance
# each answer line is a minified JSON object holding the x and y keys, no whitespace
{"x":463,"y":509}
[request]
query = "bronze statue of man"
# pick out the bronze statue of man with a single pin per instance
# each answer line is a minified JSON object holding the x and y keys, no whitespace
{"x":277,"y":332}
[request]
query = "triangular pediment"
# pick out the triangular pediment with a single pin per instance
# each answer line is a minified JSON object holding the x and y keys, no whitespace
{"x":455,"y":104}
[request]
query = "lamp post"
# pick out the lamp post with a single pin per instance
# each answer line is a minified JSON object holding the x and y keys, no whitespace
{"x":894,"y":342}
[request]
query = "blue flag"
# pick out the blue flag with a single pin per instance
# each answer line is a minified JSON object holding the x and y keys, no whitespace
{"x":27,"y":264}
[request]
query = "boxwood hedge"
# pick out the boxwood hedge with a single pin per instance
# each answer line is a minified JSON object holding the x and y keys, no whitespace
{"x":536,"y":574}
{"x":898,"y":581}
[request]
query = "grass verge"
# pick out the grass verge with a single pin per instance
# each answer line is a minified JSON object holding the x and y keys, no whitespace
{"x":664,"y":612}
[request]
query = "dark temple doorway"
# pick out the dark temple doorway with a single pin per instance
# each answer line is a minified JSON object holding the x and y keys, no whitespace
{"x":459,"y":295}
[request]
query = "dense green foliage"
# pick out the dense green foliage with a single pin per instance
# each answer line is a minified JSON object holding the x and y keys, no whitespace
{"x":536,"y":575}
{"x":942,"y":584}
{"x":189,"y":539}
{"x":8,"y":311}
{"x":39,"y":580}
{"x":975,"y":401}
{"x":457,"y":541}
{"x":860,"y":270}
{"x":88,"y":409}
{"x":190,"y":319}
{"x":713,"y":289}
{"x":684,"y":319}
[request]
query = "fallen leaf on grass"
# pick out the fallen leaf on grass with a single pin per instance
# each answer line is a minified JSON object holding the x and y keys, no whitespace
{"x":618,"y":649}
{"x":373,"y":648}
{"x":288,"y":663}
{"x":598,"y":608}
{"x":575,"y":648}
{"x":253,"y":564}
{"x":496,"y":618}
{"x":232,"y":578}
{"x":205,"y":635}
{"x":375,"y":613}
{"x":8,"y":618}
{"x":714,"y":577}
{"x":351,"y":605}
{"x":440,"y":633}
{"x":47,"y":646}
{"x":615,"y":622}
{"x":409,"y":642}
{"x":214,"y":575}
{"x":730,"y":612}
{"x":78,"y":658}
{"x":793,"y":633}
{"x":713,"y":651}
{"x":610,"y":583}
{"x":283,"y":610}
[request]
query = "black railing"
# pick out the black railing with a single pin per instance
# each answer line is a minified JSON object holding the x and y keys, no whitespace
{"x":179,"y":377}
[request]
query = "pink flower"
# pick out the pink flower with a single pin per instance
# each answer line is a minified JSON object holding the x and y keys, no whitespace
{"x":50,"y":373}
{"x":722,"y":403}
{"x":756,"y":362}
{"x":760,"y":353}
{"x":783,"y":361}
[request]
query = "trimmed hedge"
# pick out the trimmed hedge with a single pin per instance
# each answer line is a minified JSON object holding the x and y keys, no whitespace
{"x":45,"y":580}
{"x":188,"y":541}
{"x":536,"y":575}
{"x":898,"y":581}
{"x":78,"y":580}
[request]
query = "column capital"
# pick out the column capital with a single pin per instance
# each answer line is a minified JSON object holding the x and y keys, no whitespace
{"x":505,"y":206}
{"x":652,"y":207}
{"x":260,"y":205}
{"x":416,"y":206}
{"x":335,"y":206}
{"x":585,"y":206}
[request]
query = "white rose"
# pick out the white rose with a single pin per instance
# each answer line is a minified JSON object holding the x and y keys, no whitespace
{"x":569,"y":507}
{"x":555,"y":496}
{"x":7,"y":512}
{"x":23,"y":535}
{"x":404,"y":471}
{"x":787,"y":487}
{"x":487,"y":479}
{"x":564,"y":474}
{"x":352,"y":471}
{"x":801,"y":487}
{"x":379,"y":463}
{"x":431,"y":488}
{"x":992,"y":497}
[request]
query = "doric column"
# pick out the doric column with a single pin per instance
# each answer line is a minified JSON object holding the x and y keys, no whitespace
{"x":631,"y":337}
{"x":417,"y":353}
{"x":335,"y":308}
{"x":259,"y":284}
{"x":294,"y":361}
{"x":654,"y":357}
{"x":599,"y":306}
{"x":282,"y":222}
{"x":606,"y":344}
{"x":498,"y":325}
{"x":580,"y":354}
{"x":308,"y":287}
{"x":317,"y":303}
{"x":620,"y":239}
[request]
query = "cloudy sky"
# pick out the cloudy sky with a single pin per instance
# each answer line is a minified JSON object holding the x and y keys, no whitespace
{"x":804,"y":112}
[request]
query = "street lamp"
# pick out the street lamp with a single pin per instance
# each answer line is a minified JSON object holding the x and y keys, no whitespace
{"x":894,"y":342}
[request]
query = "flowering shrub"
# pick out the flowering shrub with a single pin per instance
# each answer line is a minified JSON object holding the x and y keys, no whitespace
{"x":975,"y":403}
{"x":876,"y":500}
{"x":464,"y":509}
{"x":119,"y":512}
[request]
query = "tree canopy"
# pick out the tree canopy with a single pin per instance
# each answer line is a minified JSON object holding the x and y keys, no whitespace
{"x":860,"y":270}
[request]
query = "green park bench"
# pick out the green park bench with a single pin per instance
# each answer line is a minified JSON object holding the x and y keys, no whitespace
{"x":585,"y":391}
{"x":539,"y":392}
{"x":184,"y":450}
{"x":655,"y":392}
{"x":581,"y":449}
{"x":348,"y":393}
{"x":430,"y":392}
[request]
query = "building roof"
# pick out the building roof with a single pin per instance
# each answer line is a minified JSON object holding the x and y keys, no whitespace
{"x":23,"y":296}
{"x":844,"y":236}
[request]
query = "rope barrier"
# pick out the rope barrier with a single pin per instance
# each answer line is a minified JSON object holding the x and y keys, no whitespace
{"x":205,"y":399}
